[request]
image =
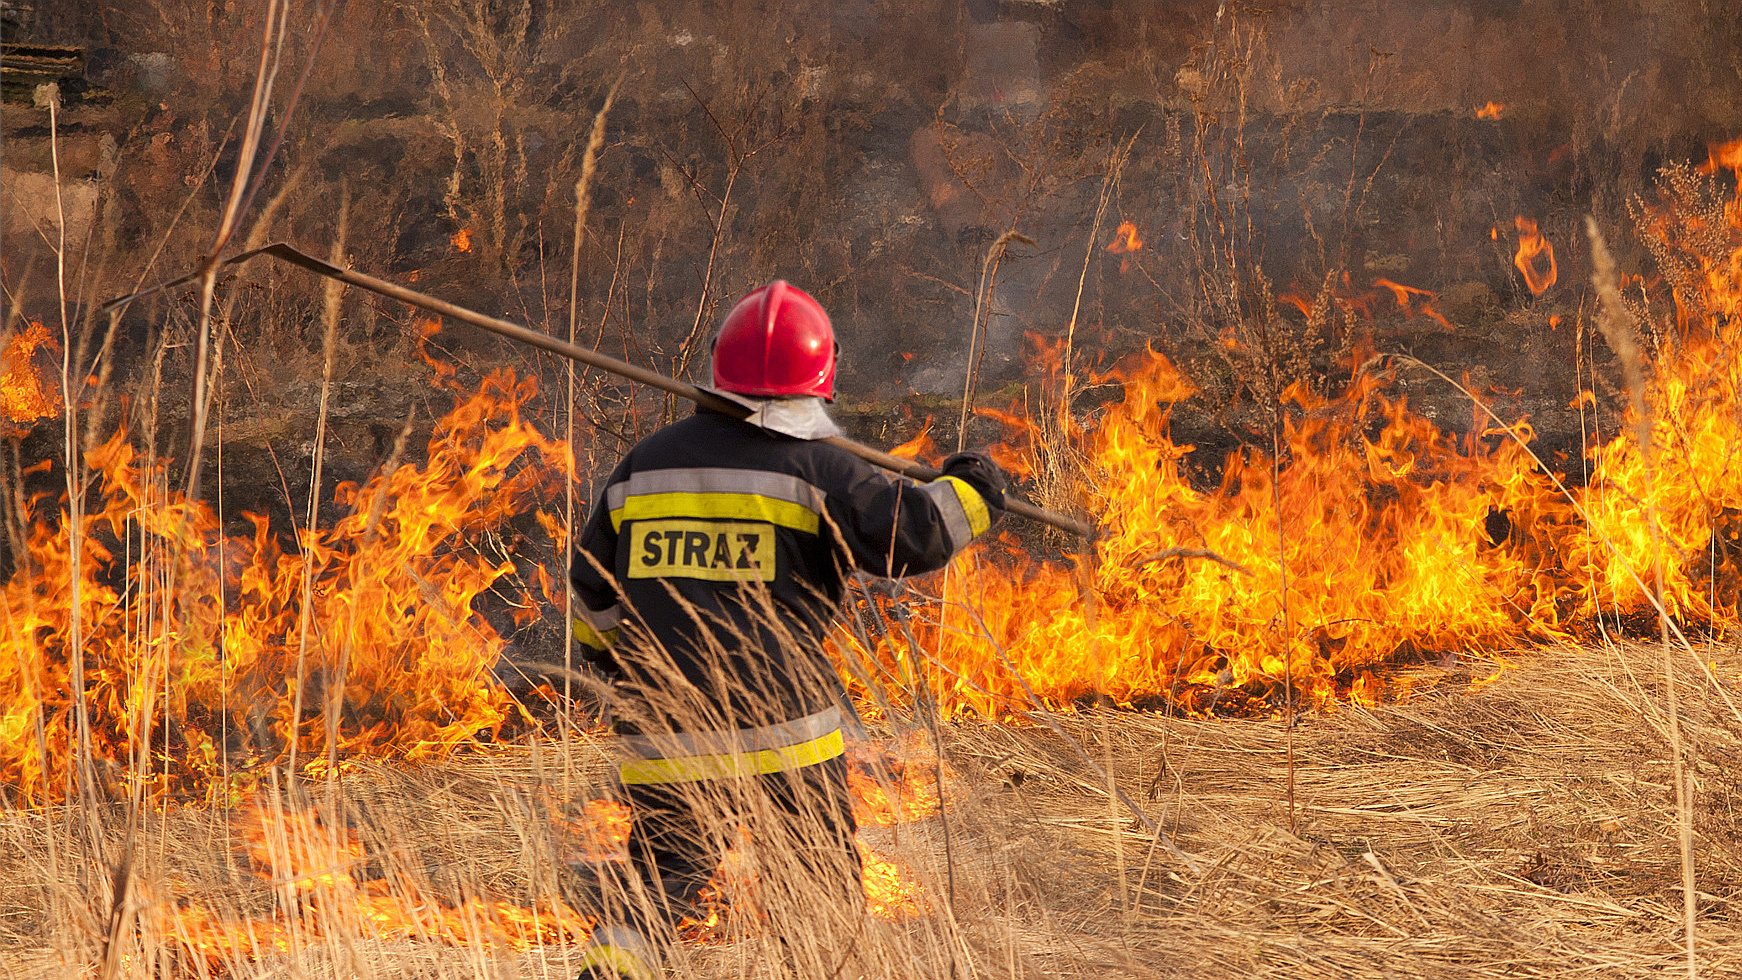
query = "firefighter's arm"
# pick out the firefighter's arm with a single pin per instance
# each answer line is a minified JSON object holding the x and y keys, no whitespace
{"x":896,"y":527}
{"x":597,"y":607}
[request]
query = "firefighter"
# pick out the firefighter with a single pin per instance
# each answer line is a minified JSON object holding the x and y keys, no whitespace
{"x":706,"y":579}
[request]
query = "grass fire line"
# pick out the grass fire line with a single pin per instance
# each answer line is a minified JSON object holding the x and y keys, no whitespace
{"x":514,"y":331}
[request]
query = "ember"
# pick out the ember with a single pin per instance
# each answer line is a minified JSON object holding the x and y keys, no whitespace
{"x":1535,"y":257}
{"x":1125,"y":239}
{"x":1406,"y":294}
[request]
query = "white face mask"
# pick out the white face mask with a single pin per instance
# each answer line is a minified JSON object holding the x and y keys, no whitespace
{"x":800,"y":418}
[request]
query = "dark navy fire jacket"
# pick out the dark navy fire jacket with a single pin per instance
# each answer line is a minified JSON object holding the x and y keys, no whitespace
{"x":713,"y":564}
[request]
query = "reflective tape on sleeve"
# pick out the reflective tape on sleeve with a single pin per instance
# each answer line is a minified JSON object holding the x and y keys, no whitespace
{"x":965,"y":514}
{"x":587,"y":636}
{"x":596,"y":628}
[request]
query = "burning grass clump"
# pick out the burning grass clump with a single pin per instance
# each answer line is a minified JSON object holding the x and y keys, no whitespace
{"x":212,"y":654}
{"x":1366,"y":534}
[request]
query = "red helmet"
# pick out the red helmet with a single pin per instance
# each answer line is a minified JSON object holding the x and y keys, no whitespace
{"x":776,"y":341}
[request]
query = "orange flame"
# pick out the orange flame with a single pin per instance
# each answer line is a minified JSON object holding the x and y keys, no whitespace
{"x":1296,"y":300}
{"x":1724,"y":155}
{"x":1490,"y":110}
{"x":894,"y":783}
{"x":1396,"y":540}
{"x":320,"y":865}
{"x":920,"y":447}
{"x":1125,"y":239}
{"x":890,"y":891}
{"x":1391,"y":540}
{"x":390,"y":607}
{"x":1535,"y":257}
{"x":461,"y":240}
{"x":27,"y":389}
{"x":1404,"y":294}
{"x":598,"y":834}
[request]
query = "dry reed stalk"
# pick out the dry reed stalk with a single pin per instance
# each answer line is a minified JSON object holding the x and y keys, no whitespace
{"x":331,"y":308}
{"x":1277,"y":408}
{"x":1109,"y":182}
{"x":48,"y":96}
{"x":589,"y":164}
{"x":976,"y":347}
{"x":334,"y":292}
{"x":271,"y":50}
{"x":1617,"y":327}
{"x":51,"y":95}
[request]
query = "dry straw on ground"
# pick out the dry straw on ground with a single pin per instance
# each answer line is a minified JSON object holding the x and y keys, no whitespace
{"x":1525,"y":828}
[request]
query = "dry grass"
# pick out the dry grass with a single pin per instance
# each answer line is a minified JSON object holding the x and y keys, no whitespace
{"x":1524,"y":829}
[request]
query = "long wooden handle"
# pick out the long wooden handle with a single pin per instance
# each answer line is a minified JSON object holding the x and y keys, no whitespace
{"x":514,"y":331}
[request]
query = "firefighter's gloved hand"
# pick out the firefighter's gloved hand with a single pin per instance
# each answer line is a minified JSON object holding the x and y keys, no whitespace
{"x":978,"y":471}
{"x":600,"y":663}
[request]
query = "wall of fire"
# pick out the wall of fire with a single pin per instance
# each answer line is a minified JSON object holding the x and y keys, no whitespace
{"x":1382,"y":158}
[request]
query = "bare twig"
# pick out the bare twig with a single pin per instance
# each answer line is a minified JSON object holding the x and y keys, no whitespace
{"x":1169,"y":553}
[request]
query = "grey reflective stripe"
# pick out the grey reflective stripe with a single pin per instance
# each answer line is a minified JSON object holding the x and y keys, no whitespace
{"x":710,"y":479}
{"x":608,"y":618}
{"x":679,"y":745}
{"x":956,"y":524}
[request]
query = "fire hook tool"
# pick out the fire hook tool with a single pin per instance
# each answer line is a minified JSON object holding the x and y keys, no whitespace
{"x":526,"y":335}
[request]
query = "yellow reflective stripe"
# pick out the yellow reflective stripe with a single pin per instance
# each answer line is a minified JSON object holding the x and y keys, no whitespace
{"x":669,"y":745}
{"x":618,"y":962}
{"x":588,"y":636}
{"x":979,"y":517}
{"x":737,"y":506}
{"x":728,"y":765}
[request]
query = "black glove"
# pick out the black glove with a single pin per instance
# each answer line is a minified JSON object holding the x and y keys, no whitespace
{"x":978,"y":471}
{"x":601,"y":663}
